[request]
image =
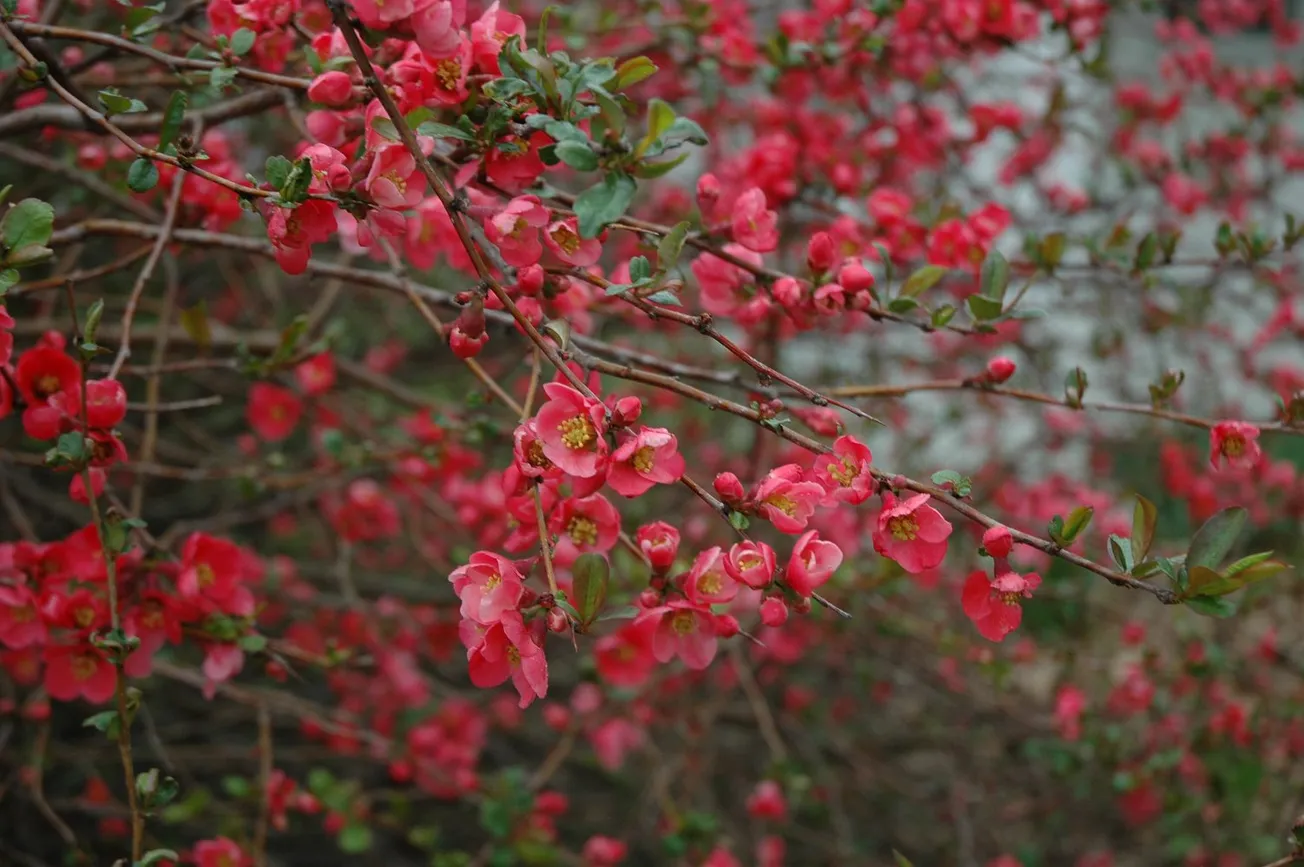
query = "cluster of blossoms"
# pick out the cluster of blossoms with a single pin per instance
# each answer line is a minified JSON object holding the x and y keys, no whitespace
{"x":55,"y":615}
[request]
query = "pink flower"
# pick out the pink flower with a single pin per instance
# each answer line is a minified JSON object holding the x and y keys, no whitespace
{"x":755,"y":226}
{"x":450,"y":73}
{"x":786,"y":501}
{"x":394,"y":180}
{"x":844,"y":473}
{"x":624,"y":658}
{"x":273,"y":412}
{"x":684,"y":630}
{"x":379,"y":14}
{"x":752,"y":563}
{"x":812,"y":563}
{"x":563,"y":239}
{"x":20,"y":624}
{"x":584,"y":525}
{"x":515,"y":230}
{"x":218,"y":852}
{"x":912,"y":533}
{"x":572,"y":429}
{"x":333,"y":88}
{"x":659,"y":542}
{"x":724,"y":286}
{"x":221,"y":663}
{"x":437,"y":25}
{"x":1234,"y":444}
{"x":709,"y":582}
{"x":490,"y":32}
{"x":993,"y":606}
{"x":527,"y":453}
{"x":489,"y":586}
{"x":643,"y":459}
{"x":507,"y":650}
{"x":998,"y":542}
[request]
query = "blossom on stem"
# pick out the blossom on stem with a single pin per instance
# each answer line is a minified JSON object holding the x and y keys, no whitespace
{"x":993,"y":604}
{"x":643,"y":459}
{"x":1234,"y":444}
{"x":912,"y":533}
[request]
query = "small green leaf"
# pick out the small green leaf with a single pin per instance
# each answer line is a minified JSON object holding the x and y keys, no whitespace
{"x":648,"y":169}
{"x":671,"y":246}
{"x":173,"y":116}
{"x":154,"y":856}
{"x":604,"y":203}
{"x":8,"y":279}
{"x":1078,"y":521}
{"x":943,"y":315}
{"x":1145,"y":252}
{"x":665,"y":296}
{"x":30,"y":223}
{"x":277,"y":169}
{"x":639,"y":269}
{"x":438,"y":130}
{"x":115,"y":103}
{"x":1120,"y":551}
{"x":578,"y":155}
{"x":592,"y":574}
{"x":1145,"y":517}
{"x":995,"y":276}
{"x":241,"y":41}
{"x":922,"y":280}
{"x":902,"y":305}
{"x":221,"y":77}
{"x":739,"y":521}
{"x":142,"y":176}
{"x":660,"y":116}
{"x":982,"y":308}
{"x":1214,"y":540}
{"x":354,"y":839}
{"x":633,"y":71}
{"x":1211,"y":606}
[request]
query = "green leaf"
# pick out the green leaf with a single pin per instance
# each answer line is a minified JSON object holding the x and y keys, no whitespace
{"x":901,"y":860}
{"x":639,"y":269}
{"x":1211,"y":606}
{"x":1214,"y":540}
{"x":295,"y":188}
{"x":28,"y":223}
{"x":578,"y":155}
{"x":648,"y":169}
{"x":439,"y":130}
{"x":1247,"y":562}
{"x":604,"y":203}
{"x":665,"y":296}
{"x":633,"y":71}
{"x":685,"y":129}
{"x":995,"y":276}
{"x":277,"y":170}
{"x":672,"y":245}
{"x":1145,"y":517}
{"x":982,"y":308}
{"x":153,"y":856}
{"x":943,"y":315}
{"x":8,"y":278}
{"x":241,"y":41}
{"x":1145,"y":252}
{"x":1120,"y":551}
{"x":354,"y":839}
{"x":1078,"y":521}
{"x":116,"y":103}
{"x":902,"y":305}
{"x":173,"y":116}
{"x":221,"y":77}
{"x":142,"y":176}
{"x":592,"y":575}
{"x":105,"y":721}
{"x":660,"y":117}
{"x":384,"y":127}
{"x":1052,"y":250}
{"x":541,"y":38}
{"x":922,"y":280}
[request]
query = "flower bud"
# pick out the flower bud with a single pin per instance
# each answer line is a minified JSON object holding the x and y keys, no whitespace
{"x":626,"y":411}
{"x":726,"y":626}
{"x":708,"y":193}
{"x":659,"y":542}
{"x":730,"y":489}
{"x":774,"y":611}
{"x":333,"y":88}
{"x":997,"y":541}
{"x":999,"y":369}
{"x":466,"y":347}
{"x":820,"y":253}
{"x":649,"y":598}
{"x":855,"y":277}
{"x":557,"y":620}
{"x":788,"y":292}
{"x":529,"y":280}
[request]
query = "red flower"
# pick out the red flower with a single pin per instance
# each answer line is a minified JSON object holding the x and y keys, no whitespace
{"x":572,"y":429}
{"x":993,"y":605}
{"x":20,"y":624}
{"x":490,"y":32}
{"x":754,"y":225}
{"x":75,"y":671}
{"x":316,"y":375}
{"x":515,"y":230}
{"x":684,"y":630}
{"x":563,"y":238}
{"x":394,"y":180}
{"x":812,"y":563}
{"x":643,"y":459}
{"x":489,"y":587}
{"x":844,"y":473}
{"x":625,"y":658}
{"x":211,"y":569}
{"x":660,"y":543}
{"x":584,"y":525}
{"x":218,"y":852}
{"x":786,"y":501}
{"x":273,"y":412}
{"x":709,"y":582}
{"x":507,"y":650}
{"x":1234,"y":444}
{"x":43,"y":372}
{"x":752,"y":563}
{"x":767,"y":802}
{"x":912,"y":533}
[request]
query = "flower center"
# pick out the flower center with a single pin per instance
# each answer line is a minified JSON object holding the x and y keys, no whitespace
{"x":582,"y":531}
{"x":22,"y":615}
{"x":517,"y":228}
{"x":784,"y":504}
{"x":1233,"y":446}
{"x":711,"y":583}
{"x":204,"y":575}
{"x":844,"y":473}
{"x":566,"y":239}
{"x":46,"y":386}
{"x":84,"y":666}
{"x":625,"y":653}
{"x":643,"y":459}
{"x":683,"y":622}
{"x":535,"y":457}
{"x":493,"y":581}
{"x":449,"y":72}
{"x":577,"y":432}
{"x":397,"y":180}
{"x":513,"y":656}
{"x":903,"y":529}
{"x":84,"y":616}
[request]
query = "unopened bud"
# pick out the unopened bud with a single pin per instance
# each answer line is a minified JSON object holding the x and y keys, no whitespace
{"x":729,"y":488}
{"x":820,"y":253}
{"x":999,"y":369}
{"x":774,"y":611}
